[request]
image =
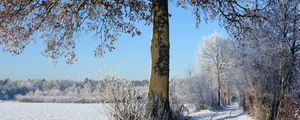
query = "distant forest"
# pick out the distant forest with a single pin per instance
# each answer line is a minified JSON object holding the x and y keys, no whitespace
{"x":61,"y":91}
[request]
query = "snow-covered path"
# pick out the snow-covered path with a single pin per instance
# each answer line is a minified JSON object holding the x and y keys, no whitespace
{"x":230,"y":113}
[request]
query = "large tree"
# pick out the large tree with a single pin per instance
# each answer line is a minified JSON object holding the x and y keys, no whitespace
{"x":58,"y":21}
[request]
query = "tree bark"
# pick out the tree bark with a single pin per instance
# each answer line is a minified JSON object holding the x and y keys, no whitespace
{"x":158,"y":94}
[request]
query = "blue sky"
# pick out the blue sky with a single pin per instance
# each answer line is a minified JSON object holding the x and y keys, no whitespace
{"x":130,"y":59}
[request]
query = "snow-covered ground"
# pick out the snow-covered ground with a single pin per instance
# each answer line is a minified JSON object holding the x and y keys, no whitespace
{"x":230,"y":113}
{"x":51,"y":111}
{"x":70,"y":111}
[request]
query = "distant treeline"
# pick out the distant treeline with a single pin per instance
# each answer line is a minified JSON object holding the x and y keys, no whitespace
{"x":61,"y":91}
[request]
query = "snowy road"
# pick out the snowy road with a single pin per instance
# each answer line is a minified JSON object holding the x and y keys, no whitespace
{"x":230,"y":113}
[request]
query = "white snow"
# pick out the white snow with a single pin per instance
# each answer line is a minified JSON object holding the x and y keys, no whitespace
{"x":51,"y":111}
{"x":232,"y":112}
{"x":72,"y":111}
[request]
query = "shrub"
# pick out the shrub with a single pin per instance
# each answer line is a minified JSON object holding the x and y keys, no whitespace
{"x":124,"y":101}
{"x":264,"y":106}
{"x":128,"y":102}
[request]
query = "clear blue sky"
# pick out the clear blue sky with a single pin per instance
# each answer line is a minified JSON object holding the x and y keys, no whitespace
{"x":130,"y":59}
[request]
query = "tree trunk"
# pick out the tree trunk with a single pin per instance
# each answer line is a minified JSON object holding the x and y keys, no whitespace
{"x":251,"y":101}
{"x":229,"y":95}
{"x":158,"y":94}
{"x":219,"y":90}
{"x":225,"y":101}
{"x":277,"y":103}
{"x":212,"y":95}
{"x":280,"y":92}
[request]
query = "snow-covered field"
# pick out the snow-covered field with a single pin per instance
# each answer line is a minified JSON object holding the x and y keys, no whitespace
{"x":230,"y":113}
{"x":51,"y":111}
{"x":71,"y":111}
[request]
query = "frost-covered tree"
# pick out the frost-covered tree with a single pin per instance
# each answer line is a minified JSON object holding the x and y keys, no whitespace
{"x":271,"y":41}
{"x":214,"y":53}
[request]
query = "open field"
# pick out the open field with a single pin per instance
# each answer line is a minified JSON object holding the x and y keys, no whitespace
{"x":51,"y":111}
